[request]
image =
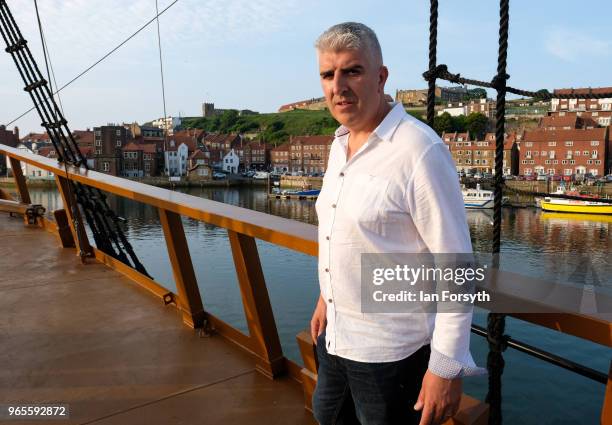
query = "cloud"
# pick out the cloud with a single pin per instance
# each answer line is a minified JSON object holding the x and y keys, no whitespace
{"x":572,"y":46}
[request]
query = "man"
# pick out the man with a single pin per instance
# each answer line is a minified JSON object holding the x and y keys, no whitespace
{"x":390,"y":186}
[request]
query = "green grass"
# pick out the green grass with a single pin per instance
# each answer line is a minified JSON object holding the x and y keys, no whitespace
{"x":274,"y":127}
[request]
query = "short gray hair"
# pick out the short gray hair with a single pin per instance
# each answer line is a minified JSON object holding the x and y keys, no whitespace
{"x":350,"y":36}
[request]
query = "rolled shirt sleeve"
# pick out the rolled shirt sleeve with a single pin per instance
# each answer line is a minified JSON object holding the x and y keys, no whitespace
{"x":435,"y":202}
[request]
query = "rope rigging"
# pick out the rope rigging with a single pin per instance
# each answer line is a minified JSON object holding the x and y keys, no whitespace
{"x":103,"y":222}
{"x":497,"y":340}
{"x":97,"y":62}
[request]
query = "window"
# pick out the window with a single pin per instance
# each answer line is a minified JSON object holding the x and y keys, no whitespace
{"x":118,"y":132}
{"x":555,"y":161}
{"x":98,"y":142}
{"x":119,"y":143}
{"x":585,"y":153}
{"x":569,"y":143}
{"x":594,"y":142}
{"x":528,"y":144}
{"x":577,"y":153}
{"x":98,"y":151}
{"x":543,"y":153}
{"x":567,"y":171}
{"x":105,"y":166}
{"x":552,"y":143}
{"x":594,"y":154}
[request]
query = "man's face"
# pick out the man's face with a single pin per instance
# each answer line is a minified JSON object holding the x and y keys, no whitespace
{"x":353,"y":85}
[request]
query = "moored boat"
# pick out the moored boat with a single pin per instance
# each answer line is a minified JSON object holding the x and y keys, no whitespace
{"x":478,"y":198}
{"x":576,"y":206}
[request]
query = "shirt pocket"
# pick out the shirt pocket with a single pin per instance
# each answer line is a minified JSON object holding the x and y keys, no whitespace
{"x":363,"y":199}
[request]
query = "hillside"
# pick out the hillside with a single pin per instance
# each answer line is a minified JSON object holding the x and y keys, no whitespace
{"x":274,"y":127}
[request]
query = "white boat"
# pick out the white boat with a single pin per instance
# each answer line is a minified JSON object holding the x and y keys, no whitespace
{"x":479,"y":198}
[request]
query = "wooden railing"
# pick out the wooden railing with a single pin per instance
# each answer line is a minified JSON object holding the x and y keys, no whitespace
{"x":244,"y":227}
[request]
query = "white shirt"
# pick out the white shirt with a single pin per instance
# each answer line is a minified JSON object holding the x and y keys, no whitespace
{"x":398,"y":193}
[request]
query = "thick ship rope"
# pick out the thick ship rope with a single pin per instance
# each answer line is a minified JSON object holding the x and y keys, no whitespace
{"x":103,"y":222}
{"x":495,"y":321}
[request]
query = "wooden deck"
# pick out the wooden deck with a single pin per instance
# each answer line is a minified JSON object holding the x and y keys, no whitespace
{"x":86,"y":336}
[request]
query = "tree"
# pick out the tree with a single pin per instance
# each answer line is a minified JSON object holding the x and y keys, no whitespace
{"x":477,"y":93}
{"x":459,"y":123}
{"x":228,"y":120}
{"x":443,"y":123}
{"x":476,"y":124}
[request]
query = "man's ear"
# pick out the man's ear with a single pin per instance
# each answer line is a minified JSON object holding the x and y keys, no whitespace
{"x":383,"y":74}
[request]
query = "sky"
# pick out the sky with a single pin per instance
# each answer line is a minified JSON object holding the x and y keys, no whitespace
{"x":259,"y":55}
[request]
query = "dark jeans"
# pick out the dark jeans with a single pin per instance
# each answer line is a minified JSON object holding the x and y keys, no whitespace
{"x":350,"y":392}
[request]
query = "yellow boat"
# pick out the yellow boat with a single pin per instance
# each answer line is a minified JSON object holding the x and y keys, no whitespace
{"x":570,"y":217}
{"x":575,"y":206}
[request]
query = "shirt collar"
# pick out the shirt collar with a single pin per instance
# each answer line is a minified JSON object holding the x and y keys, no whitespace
{"x":387,"y":126}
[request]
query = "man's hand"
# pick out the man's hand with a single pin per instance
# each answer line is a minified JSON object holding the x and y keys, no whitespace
{"x":439,"y":399}
{"x":318,"y":322}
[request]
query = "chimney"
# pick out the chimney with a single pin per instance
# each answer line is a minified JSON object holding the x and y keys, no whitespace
{"x":16,"y":131}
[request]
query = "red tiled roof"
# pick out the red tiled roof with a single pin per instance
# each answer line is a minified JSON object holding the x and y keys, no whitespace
{"x":559,"y":121}
{"x":46,"y":150}
{"x":36,"y":137}
{"x":131,"y":147}
{"x":542,"y":135}
{"x":596,"y":90}
{"x":83,"y":136}
{"x":281,"y":148}
{"x":197,"y":154}
{"x":313,"y":140}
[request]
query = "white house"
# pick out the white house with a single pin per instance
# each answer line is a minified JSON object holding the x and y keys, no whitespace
{"x":454,"y":109}
{"x":31,"y":171}
{"x":231,"y":162}
{"x":168,"y":124}
{"x":175,"y":159}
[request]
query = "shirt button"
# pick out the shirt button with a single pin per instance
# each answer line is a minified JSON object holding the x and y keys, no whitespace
{"x":333,"y":205}
{"x":326,"y":270}
{"x":341,"y":174}
{"x":327,"y":237}
{"x":329,"y":300}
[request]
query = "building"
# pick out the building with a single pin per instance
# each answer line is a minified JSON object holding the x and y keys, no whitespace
{"x":485,"y":107}
{"x":309,"y":154}
{"x":219,"y":145}
{"x":9,"y":138}
{"x":601,"y":118}
{"x":199,"y":168}
{"x":314,"y":104}
{"x":133,"y":161}
{"x":109,"y":141}
{"x":191,"y":137}
{"x":479,"y":155}
{"x":40,"y":139}
{"x":231,"y":162}
{"x":209,"y":110}
{"x":83,"y":138}
{"x":454,"y":109}
{"x":575,"y":151}
{"x":256,"y":156}
{"x":453,"y":94}
{"x":168,"y":124}
{"x":414,"y":97}
{"x":175,"y":159}
{"x":279,"y":158}
{"x":581,"y":105}
{"x":419,"y":97}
